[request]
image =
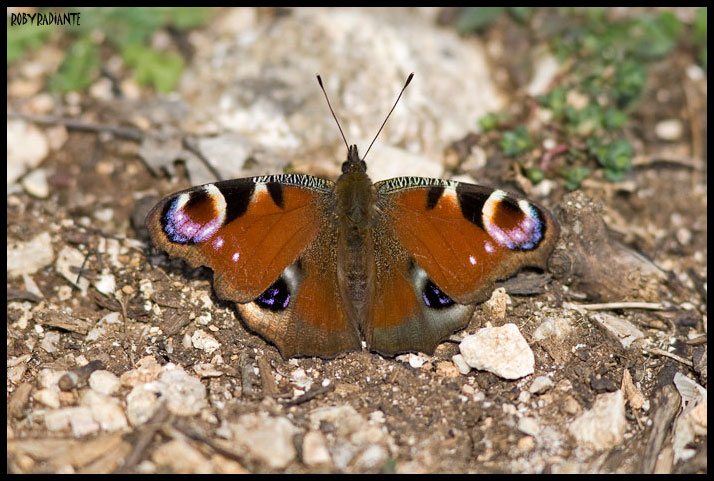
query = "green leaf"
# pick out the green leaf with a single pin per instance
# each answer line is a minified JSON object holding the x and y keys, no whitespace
{"x":79,"y":69}
{"x":574,"y":176}
{"x":515,"y":142}
{"x":630,"y":80}
{"x":535,"y":174}
{"x":22,"y":38}
{"x":161,"y":70}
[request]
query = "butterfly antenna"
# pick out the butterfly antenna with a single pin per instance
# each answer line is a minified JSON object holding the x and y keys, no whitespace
{"x":409,"y":79}
{"x":319,"y":80}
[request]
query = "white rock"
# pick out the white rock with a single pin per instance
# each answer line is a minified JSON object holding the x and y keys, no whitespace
{"x":374,"y":456}
{"x":558,"y":327}
{"x":461,"y":364}
{"x":314,"y":449}
{"x":35,"y":183}
{"x":105,"y":411}
{"x":529,"y":426}
{"x":28,"y":257}
{"x":78,"y":418}
{"x":265,"y":438}
{"x":204,"y":341}
{"x":50,"y":342}
{"x":69,"y":261}
{"x":205,"y":369}
{"x":181,"y":458}
{"x":185,"y":395}
{"x":669,"y":129}
{"x":603,"y":426}
{"x":26,"y":147}
{"x":540,"y":385}
{"x":104,"y":382}
{"x":497,"y":305}
{"x":500,"y":350}
{"x":106,"y":284}
{"x":48,"y":397}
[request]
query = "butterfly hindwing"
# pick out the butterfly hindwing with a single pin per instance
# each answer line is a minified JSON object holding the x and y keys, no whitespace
{"x":303,"y":312}
{"x":454,"y":241}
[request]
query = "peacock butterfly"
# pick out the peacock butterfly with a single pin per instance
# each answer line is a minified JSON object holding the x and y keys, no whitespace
{"x":317,"y":266}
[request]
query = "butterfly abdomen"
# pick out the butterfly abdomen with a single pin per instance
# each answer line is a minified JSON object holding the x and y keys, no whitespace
{"x":355,"y":252}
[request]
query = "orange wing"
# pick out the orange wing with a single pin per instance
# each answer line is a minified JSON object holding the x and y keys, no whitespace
{"x":255,"y":234}
{"x":455,"y":240}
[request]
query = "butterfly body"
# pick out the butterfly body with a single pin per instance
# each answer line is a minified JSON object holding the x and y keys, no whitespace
{"x":317,"y":267}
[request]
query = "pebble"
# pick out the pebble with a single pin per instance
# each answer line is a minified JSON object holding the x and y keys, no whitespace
{"x":105,"y":411}
{"x":27,"y":146}
{"x":500,"y":350}
{"x":35,"y":183}
{"x":618,"y":329}
{"x":69,"y":261}
{"x":205,"y":369}
{"x":104,"y":382}
{"x":556,"y":327}
{"x":179,"y":457}
{"x":496,"y":306}
{"x":603,"y":426}
{"x":106,"y":284}
{"x":266,"y":438}
{"x":50,"y":342}
{"x":540,"y":385}
{"x":184,"y":395}
{"x":461,"y":364}
{"x":529,"y":426}
{"x":314,"y":449}
{"x":31,"y":256}
{"x":204,"y":341}
{"x":669,"y":129}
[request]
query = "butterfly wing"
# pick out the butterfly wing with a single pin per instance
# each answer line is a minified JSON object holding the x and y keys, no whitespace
{"x":254,"y":234}
{"x":456,"y":240}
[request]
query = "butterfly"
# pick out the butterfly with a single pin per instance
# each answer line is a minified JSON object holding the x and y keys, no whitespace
{"x":317,"y":267}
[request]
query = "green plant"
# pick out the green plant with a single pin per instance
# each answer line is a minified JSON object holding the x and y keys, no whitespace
{"x":608,"y":61}
{"x":24,"y":38}
{"x":127,"y":30}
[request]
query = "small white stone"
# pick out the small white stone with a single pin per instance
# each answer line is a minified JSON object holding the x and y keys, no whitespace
{"x":50,"y":342}
{"x":69,"y":261}
{"x":557,"y":327}
{"x":106,"y":284}
{"x":461,"y":364}
{"x":28,"y":257}
{"x":265,"y":438}
{"x":104,"y":382}
{"x":669,"y":129}
{"x":35,"y":183}
{"x":603,"y":426}
{"x":500,"y":350}
{"x":314,"y":449}
{"x":204,"y":369}
{"x":529,"y":426}
{"x":541,"y":384}
{"x":204,"y":341}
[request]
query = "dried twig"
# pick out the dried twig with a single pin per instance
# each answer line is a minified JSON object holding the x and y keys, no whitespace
{"x":311,"y":394}
{"x":616,"y":305}
{"x":661,"y":352}
{"x":127,"y":133}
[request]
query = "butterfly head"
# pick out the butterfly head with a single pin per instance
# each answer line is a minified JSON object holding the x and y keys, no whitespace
{"x":353,"y":163}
